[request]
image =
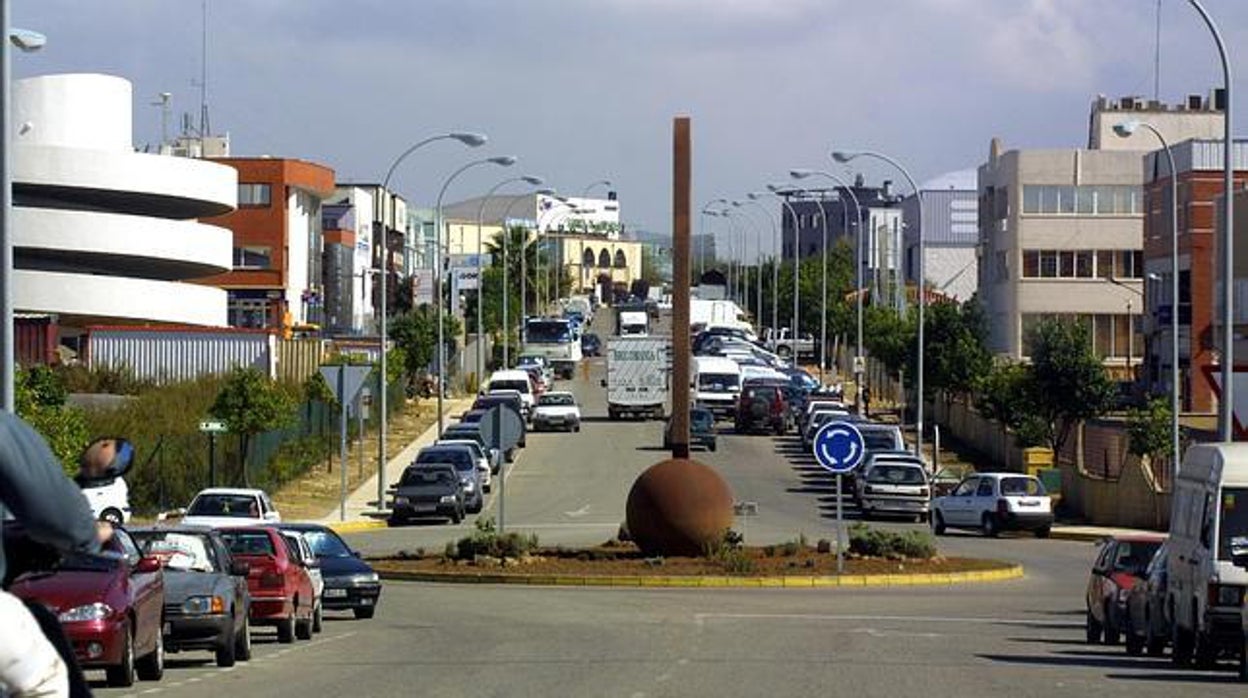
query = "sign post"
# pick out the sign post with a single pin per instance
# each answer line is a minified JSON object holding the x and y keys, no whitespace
{"x":212,"y":427}
{"x":839,"y":448}
{"x":346,"y":382}
{"x":501,"y":428}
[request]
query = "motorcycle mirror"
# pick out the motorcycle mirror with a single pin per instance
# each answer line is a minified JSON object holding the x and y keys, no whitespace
{"x":103,"y":460}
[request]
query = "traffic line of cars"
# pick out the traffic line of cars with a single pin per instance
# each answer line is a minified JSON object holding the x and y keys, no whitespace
{"x":201,"y":584}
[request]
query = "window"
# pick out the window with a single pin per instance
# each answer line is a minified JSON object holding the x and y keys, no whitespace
{"x":1105,"y":264}
{"x":1031,"y":199}
{"x":1066,"y":266}
{"x":1048,"y":264}
{"x":254,"y":194}
{"x":620,"y":260}
{"x":1083,"y":200}
{"x":1031,"y":264}
{"x":985,"y":487}
{"x":1085,"y":204}
{"x":1083,"y":264}
{"x":251,"y":313}
{"x":604,"y":259}
{"x":252,"y":257}
{"x":966,"y":487}
{"x":588,"y":258}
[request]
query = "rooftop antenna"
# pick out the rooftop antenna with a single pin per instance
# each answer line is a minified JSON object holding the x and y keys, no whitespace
{"x":202,"y":83}
{"x":163,"y":102}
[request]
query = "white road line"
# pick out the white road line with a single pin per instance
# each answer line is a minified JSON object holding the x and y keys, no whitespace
{"x":578,"y":513}
{"x":702,"y":617}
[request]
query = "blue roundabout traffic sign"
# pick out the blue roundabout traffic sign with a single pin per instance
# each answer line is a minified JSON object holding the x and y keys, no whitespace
{"x":839,"y":447}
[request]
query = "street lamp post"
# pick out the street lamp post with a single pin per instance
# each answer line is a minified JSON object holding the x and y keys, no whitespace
{"x":702,"y":246}
{"x":528,"y":179}
{"x":1227,"y":402}
{"x":501,"y":161}
{"x":507,"y":271}
{"x":823,"y":306}
{"x":797,"y":266}
{"x":1125,"y":129}
{"x":472,"y":140}
{"x":858,"y":350}
{"x":591,"y":185}
{"x":775,"y":264}
{"x":843,"y":157}
{"x":26,"y":41}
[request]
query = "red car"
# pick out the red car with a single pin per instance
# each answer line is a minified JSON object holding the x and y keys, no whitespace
{"x":280,"y":587}
{"x":110,"y":605}
{"x":1119,"y":566}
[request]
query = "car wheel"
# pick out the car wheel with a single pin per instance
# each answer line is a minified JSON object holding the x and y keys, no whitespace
{"x":1092,"y":628}
{"x":938,"y":523}
{"x":1043,"y":532}
{"x":152,"y":667}
{"x":227,"y":649}
{"x":457,"y":516}
{"x":318,"y":619}
{"x":1133,"y":640}
{"x":476,"y":508}
{"x":122,"y":675}
{"x":989,"y":526}
{"x":113,"y":516}
{"x":286,"y":630}
{"x":364,"y":613}
{"x":303,"y":629}
{"x":711,"y":447}
{"x":1112,"y":630}
{"x":242,"y":649}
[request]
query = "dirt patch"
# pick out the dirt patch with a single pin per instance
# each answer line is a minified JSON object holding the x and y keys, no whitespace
{"x":314,"y":495}
{"x":626,"y":561}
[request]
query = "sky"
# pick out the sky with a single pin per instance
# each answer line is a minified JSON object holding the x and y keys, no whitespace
{"x":585,"y":90}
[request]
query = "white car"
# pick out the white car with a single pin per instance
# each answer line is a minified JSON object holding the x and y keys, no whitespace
{"x":995,"y":502}
{"x":557,"y":410}
{"x":301,"y":550}
{"x":483,"y":460}
{"x":110,"y":501}
{"x":220,"y":507}
{"x":894,"y":485}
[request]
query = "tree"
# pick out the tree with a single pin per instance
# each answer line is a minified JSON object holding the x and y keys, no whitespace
{"x":1067,"y":382}
{"x":415,"y":334}
{"x":955,"y":356}
{"x":517,"y":236}
{"x":40,"y":397}
{"x":1003,"y":395}
{"x":1149,"y":428}
{"x":650,"y":267}
{"x":249,"y":403}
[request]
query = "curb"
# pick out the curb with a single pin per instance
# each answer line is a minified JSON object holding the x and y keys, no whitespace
{"x":1077,"y":536}
{"x":355,"y":526}
{"x":1006,"y":573}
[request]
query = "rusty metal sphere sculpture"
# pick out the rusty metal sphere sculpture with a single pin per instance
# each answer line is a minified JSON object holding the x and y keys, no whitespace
{"x":678,"y":507}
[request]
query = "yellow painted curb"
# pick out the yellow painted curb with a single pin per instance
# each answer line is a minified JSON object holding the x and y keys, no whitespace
{"x":792,"y":582}
{"x":356,"y":526}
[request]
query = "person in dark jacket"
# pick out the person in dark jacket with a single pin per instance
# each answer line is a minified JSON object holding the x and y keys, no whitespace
{"x":35,"y":492}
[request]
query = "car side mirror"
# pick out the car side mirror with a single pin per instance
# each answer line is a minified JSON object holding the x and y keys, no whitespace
{"x":356,"y":554}
{"x":240,"y":569}
{"x":147,"y":565}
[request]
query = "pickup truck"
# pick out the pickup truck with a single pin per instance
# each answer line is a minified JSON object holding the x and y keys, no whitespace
{"x":784,"y":344}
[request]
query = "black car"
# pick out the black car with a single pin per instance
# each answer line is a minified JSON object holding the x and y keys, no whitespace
{"x":428,"y":490}
{"x":591,"y":345}
{"x":701,"y":430}
{"x":206,"y":600}
{"x":350,"y":583}
{"x":513,"y":401}
{"x":472,"y":432}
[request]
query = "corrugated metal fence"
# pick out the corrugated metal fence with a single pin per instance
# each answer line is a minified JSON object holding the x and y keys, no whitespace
{"x":166,"y":355}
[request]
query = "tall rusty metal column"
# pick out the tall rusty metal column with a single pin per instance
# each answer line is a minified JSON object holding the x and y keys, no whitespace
{"x":682,"y":176}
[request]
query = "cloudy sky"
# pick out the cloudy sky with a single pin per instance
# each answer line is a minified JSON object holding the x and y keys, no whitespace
{"x":582,"y":90}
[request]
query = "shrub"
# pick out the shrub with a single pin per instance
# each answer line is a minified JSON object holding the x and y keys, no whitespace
{"x":487,"y":541}
{"x":870,"y":542}
{"x":791,"y":548}
{"x":736,"y":561}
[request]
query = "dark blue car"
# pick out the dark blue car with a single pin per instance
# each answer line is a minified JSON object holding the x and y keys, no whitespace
{"x":350,"y":583}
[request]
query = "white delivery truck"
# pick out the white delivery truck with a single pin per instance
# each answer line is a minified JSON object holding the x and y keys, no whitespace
{"x":638,"y":376}
{"x":634,"y":323}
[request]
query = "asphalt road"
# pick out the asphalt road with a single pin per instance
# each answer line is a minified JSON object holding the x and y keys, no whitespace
{"x":1020,"y":638}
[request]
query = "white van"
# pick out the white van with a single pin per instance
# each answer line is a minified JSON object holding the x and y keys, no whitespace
{"x":513,"y":380}
{"x":1208,"y":532}
{"x":716,"y":385}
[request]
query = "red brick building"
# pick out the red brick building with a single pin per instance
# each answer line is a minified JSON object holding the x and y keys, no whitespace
{"x":276,"y":281}
{"x":1199,"y":165}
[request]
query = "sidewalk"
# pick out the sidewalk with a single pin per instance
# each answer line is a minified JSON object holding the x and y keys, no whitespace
{"x":362,"y":510}
{"x":1095,"y":533}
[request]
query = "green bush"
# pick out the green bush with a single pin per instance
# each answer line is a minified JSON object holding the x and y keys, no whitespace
{"x":488,"y":542}
{"x":870,"y":542}
{"x":736,"y":561}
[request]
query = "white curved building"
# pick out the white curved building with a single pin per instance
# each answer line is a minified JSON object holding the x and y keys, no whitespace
{"x":103,"y":234}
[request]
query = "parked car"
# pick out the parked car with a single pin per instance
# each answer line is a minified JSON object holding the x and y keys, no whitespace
{"x":485,"y":402}
{"x":817,"y":419}
{"x":557,"y":411}
{"x":761,"y":406}
{"x":591,"y":345}
{"x":1147,"y":622}
{"x":995,"y":502}
{"x":109,"y":499}
{"x":302,"y":553}
{"x":280,"y":587}
{"x":483,"y":461}
{"x":350,"y":583}
{"x":881,"y":437}
{"x":206,"y":599}
{"x":465,"y":465}
{"x":110,"y":605}
{"x":1118,"y":568}
{"x":463,"y":431}
{"x":224,"y":506}
{"x":428,"y":490}
{"x":701,"y":430}
{"x":897,"y":486}
{"x":518,"y":380}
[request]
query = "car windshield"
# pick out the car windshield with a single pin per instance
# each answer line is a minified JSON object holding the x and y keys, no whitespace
{"x":897,"y":475}
{"x":460,"y":458}
{"x":249,"y":542}
{"x":177,"y":551}
{"x":1021,"y":487}
{"x":231,"y":505}
{"x":426,"y":477}
{"x":701,"y":419}
{"x":519,"y":386}
{"x":548,"y":332}
{"x":561,"y":400}
{"x":1233,"y":523}
{"x":878,"y":439}
{"x":1134,"y":556}
{"x":326,"y":544}
{"x":718,"y":382}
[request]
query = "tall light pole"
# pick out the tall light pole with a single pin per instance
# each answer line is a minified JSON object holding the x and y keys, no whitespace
{"x":544,"y":277}
{"x":843,"y":157}
{"x":501,"y":161}
{"x":823,"y":305}
{"x":472,"y":140}
{"x":775,"y":263}
{"x":797,"y":244}
{"x":591,"y":185}
{"x":706,"y":211}
{"x":1226,"y":405}
{"x":26,"y":41}
{"x":507,"y":271}
{"x":528,"y":179}
{"x":801,"y":173}
{"x":1125,"y":129}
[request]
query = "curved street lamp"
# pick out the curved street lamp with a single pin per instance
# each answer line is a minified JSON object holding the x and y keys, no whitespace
{"x":775,"y":264}
{"x":844,"y":157}
{"x":501,"y":161}
{"x":528,"y":179}
{"x":797,"y":294}
{"x":591,"y":185}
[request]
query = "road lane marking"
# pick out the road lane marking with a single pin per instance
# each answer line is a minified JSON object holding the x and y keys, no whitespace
{"x":578,"y":513}
{"x":701,"y":618}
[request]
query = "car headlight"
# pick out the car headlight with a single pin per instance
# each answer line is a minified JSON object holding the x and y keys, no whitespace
{"x":368,"y":578}
{"x":201,"y":605}
{"x":468,"y":484}
{"x":447,"y":499}
{"x":91,"y":611}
